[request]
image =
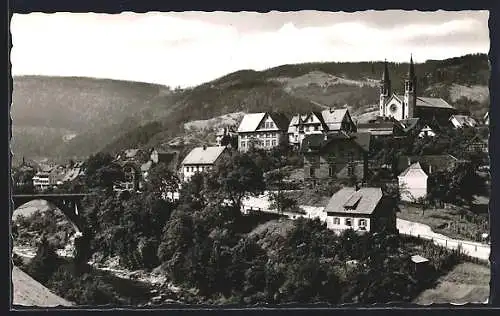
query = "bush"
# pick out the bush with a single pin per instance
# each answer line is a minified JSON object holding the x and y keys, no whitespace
{"x":45,"y":262}
{"x":83,"y":289}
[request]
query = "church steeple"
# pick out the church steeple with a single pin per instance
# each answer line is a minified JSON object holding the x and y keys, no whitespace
{"x":411,"y":69}
{"x":385,"y":89}
{"x":385,"y":74}
{"x":410,"y":97}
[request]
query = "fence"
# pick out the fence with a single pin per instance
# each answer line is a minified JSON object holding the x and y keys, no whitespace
{"x":470,"y":251}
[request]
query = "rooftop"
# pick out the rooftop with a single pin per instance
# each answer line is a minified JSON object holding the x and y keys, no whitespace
{"x":203,"y":155}
{"x":349,"y":201}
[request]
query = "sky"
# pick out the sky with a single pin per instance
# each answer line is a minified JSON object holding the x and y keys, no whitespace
{"x":183,"y":49}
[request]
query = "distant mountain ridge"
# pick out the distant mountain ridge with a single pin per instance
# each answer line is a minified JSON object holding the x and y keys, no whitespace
{"x":125,"y":114}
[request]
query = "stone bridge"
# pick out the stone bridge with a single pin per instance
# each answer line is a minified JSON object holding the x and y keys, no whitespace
{"x":68,"y":203}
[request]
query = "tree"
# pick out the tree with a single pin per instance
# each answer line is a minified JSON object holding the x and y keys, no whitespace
{"x":161,"y":180}
{"x":424,"y":203}
{"x":102,"y":172}
{"x":23,"y":181}
{"x":45,"y":262}
{"x":278,"y":198}
{"x":235,"y":178}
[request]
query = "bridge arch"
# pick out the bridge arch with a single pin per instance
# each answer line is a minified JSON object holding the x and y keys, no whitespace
{"x":68,"y":204}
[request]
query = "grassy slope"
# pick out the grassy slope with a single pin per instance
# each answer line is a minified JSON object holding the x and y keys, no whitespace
{"x":466,"y":283}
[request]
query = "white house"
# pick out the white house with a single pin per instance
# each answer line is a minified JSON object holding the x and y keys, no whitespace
{"x":361,"y":209}
{"x":461,"y":121}
{"x":413,"y":183}
{"x":201,"y":159}
{"x":327,"y":121}
{"x":41,"y":180}
{"x":262,"y":130}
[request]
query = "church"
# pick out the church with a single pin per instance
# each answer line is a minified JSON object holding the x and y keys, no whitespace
{"x":410,"y":105}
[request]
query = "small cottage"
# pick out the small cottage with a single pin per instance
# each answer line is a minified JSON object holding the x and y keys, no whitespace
{"x":364,"y":209}
{"x":413,"y":183}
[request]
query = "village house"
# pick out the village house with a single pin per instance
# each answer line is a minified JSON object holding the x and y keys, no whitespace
{"x":477,"y":145}
{"x":413,"y":183}
{"x":201,"y":159}
{"x":41,"y":180}
{"x":336,"y":156}
{"x":462,"y":121}
{"x":413,"y":180}
{"x":262,"y":130}
{"x":382,"y":127}
{"x":364,"y":209}
{"x":327,"y":121}
{"x":430,"y":163}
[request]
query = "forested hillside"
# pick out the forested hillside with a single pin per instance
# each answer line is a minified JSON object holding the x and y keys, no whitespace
{"x":112,"y":115}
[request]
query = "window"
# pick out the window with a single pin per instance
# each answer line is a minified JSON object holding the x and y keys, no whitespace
{"x":274,"y":142}
{"x":243,"y":144}
{"x":316,"y":127}
{"x":267,"y":143}
{"x":348,"y":222}
{"x":311,"y":172}
{"x":336,"y":221}
{"x":362,"y":223}
{"x":331,"y":171}
{"x":296,"y":138}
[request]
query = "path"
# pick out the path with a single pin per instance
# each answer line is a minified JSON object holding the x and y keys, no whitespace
{"x":473,"y":249}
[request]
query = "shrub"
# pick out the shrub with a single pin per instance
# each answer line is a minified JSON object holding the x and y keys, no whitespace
{"x":44,"y":263}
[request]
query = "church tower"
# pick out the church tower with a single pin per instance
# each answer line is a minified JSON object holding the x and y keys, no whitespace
{"x":385,"y":89}
{"x":410,"y":97}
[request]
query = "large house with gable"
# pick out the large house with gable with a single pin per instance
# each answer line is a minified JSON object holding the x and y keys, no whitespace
{"x":336,"y":156}
{"x":262,"y":130}
{"x":324,"y":122}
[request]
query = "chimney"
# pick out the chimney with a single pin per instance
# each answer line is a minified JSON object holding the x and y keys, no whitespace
{"x":204,"y":147}
{"x":430,"y":168}
{"x":356,"y":186}
{"x":409,"y":161}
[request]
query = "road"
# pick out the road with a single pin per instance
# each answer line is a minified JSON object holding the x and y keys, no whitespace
{"x":473,"y":249}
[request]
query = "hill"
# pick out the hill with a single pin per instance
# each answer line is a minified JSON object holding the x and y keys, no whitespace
{"x":111,"y":115}
{"x":462,"y":81}
{"x":65,"y":116}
